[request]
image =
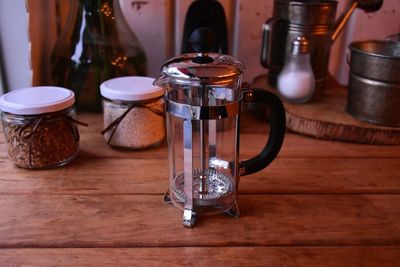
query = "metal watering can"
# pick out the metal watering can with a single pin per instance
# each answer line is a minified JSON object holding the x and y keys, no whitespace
{"x":314,"y":19}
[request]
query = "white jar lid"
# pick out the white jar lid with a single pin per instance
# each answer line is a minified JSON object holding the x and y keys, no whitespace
{"x":130,"y":88}
{"x":37,"y":100}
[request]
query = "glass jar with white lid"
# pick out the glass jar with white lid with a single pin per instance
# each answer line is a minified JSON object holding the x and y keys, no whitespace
{"x":40,"y":127}
{"x":133,"y":112}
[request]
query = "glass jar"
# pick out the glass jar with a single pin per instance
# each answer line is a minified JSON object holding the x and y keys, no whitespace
{"x":39,"y":126}
{"x":133,"y":110}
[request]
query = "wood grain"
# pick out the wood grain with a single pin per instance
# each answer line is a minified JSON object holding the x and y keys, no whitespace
{"x":143,"y":220}
{"x":253,"y":138}
{"x":324,"y":117}
{"x":202,"y":256}
{"x":320,"y":203}
{"x":150,"y":176}
{"x":294,"y":146}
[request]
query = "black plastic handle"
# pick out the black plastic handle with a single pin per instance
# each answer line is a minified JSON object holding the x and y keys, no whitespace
{"x":276,"y":135}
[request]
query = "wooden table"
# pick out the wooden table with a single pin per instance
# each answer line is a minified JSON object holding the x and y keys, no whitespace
{"x":320,"y":203}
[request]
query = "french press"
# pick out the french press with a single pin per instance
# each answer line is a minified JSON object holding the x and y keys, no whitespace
{"x":203,"y":104}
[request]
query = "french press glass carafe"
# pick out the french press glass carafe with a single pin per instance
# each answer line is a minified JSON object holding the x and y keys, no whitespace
{"x":203,"y":103}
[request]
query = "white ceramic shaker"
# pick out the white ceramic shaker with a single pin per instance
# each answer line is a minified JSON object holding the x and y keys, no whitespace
{"x":296,"y":82}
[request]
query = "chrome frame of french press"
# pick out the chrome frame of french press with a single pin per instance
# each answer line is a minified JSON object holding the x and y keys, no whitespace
{"x":203,"y":97}
{"x":209,"y":115}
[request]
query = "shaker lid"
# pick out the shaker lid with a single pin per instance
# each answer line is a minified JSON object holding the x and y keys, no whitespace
{"x":37,"y":100}
{"x":130,"y":88}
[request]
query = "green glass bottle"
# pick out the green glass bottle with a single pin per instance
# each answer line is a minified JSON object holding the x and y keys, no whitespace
{"x":96,"y":45}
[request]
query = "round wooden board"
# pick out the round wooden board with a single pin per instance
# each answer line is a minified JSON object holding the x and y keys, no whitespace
{"x":324,"y":117}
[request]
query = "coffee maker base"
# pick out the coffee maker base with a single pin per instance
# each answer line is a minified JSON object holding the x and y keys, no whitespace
{"x":190,"y":215}
{"x":213,"y":193}
{"x":210,"y":188}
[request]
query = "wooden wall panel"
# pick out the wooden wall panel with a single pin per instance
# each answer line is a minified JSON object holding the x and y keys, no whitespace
{"x":14,"y":44}
{"x":47,"y":19}
{"x":249,"y":18}
{"x":152,"y":22}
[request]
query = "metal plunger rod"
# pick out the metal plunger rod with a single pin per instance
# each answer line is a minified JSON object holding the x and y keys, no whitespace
{"x":189,"y":214}
{"x":203,"y":184}
{"x":203,"y":160}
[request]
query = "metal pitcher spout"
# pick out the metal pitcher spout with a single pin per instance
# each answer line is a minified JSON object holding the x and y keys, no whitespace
{"x":366,"y":5}
{"x":161,"y":80}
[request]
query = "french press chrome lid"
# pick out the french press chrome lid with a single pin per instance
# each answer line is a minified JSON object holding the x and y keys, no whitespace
{"x":202,"y":67}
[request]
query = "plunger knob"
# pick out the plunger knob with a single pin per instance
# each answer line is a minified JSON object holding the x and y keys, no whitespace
{"x":202,"y":41}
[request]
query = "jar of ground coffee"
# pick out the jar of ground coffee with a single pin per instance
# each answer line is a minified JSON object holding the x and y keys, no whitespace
{"x":133,"y":111}
{"x":39,"y":126}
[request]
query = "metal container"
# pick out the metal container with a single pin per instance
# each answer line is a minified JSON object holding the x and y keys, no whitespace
{"x":377,"y":60}
{"x":374,"y":82}
{"x":314,"y":19}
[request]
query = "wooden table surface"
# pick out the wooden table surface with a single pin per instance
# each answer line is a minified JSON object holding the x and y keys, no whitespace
{"x":320,"y":203}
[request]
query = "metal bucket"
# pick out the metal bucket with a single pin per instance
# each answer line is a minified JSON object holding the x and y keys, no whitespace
{"x":374,"y":82}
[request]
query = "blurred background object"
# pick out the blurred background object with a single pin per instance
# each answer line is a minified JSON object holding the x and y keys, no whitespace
{"x":374,"y":82}
{"x":95,"y":44}
{"x":209,"y":14}
{"x":2,"y":89}
{"x":15,"y":46}
{"x":159,"y":25}
{"x":393,"y":37}
{"x":315,"y":20}
{"x":296,"y":81}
